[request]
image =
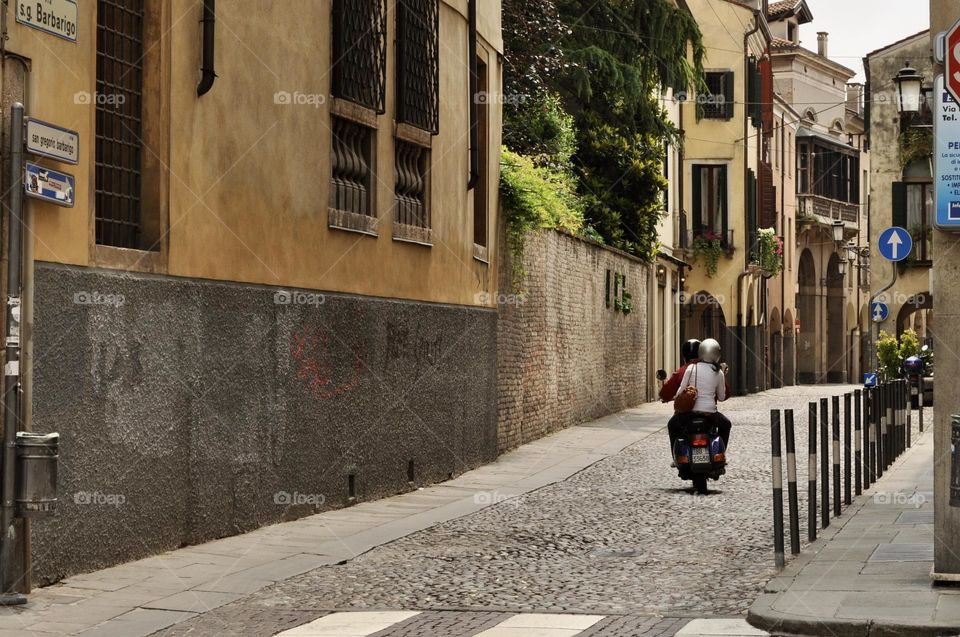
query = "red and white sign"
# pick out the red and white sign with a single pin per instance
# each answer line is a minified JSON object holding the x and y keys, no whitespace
{"x":952,"y":75}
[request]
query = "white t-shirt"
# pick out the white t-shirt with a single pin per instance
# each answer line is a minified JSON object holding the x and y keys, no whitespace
{"x":711,"y":386}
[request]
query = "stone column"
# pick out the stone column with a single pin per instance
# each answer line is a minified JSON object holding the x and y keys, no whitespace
{"x":946,"y":273}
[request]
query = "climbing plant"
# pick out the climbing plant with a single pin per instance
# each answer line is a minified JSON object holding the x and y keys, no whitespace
{"x":915,"y":144}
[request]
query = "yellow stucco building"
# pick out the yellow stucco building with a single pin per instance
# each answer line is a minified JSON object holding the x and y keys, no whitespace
{"x":281,"y":280}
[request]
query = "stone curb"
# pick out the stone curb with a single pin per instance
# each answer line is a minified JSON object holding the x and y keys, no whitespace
{"x":780,"y":624}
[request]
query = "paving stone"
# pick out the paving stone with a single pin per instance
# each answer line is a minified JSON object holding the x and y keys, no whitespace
{"x":903,"y":553}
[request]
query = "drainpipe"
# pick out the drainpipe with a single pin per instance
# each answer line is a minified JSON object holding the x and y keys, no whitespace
{"x":207,"y":73}
{"x":474,"y":87}
{"x":783,"y":230}
{"x":11,"y":372}
{"x":742,"y":346}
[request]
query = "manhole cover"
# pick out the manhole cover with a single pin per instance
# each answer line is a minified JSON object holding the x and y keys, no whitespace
{"x":915,"y":517}
{"x":903,"y":553}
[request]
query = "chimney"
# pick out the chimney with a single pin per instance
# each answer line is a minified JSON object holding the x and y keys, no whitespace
{"x":822,"y":40}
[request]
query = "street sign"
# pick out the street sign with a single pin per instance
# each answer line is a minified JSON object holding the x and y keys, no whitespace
{"x":870,"y":380}
{"x":56,"y":17}
{"x":49,"y":185}
{"x":953,"y":61}
{"x":895,"y":244}
{"x":946,"y":157}
{"x":49,"y":140}
{"x":879,"y":311}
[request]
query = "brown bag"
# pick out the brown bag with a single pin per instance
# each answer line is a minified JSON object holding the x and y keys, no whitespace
{"x":685,"y":400}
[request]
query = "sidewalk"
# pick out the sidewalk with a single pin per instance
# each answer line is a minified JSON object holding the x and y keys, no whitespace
{"x":142,"y":597}
{"x":869,"y":573}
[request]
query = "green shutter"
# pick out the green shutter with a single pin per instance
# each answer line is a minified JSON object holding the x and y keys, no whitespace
{"x":724,"y":204}
{"x":697,"y":201}
{"x":900,"y":204}
{"x":729,"y":94}
{"x":754,"y":92}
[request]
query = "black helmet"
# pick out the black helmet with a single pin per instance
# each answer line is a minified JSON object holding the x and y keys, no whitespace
{"x":690,"y":350}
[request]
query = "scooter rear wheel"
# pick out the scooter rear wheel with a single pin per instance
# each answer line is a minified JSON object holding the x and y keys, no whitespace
{"x":700,"y":484}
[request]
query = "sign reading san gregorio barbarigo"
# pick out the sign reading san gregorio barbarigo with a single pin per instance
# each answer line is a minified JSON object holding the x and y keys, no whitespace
{"x":56,"y":17}
{"x":49,"y":140}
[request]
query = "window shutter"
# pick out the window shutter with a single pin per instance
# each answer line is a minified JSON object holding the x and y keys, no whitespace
{"x":900,"y":204}
{"x":697,"y":199}
{"x":754,"y":98}
{"x":723,"y":200}
{"x":728,"y":94}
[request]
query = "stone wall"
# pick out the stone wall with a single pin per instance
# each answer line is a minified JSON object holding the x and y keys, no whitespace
{"x":191,"y":410}
{"x":563,"y":356}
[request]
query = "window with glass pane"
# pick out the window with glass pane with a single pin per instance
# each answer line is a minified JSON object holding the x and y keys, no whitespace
{"x":919,"y":209}
{"x":710,"y":202}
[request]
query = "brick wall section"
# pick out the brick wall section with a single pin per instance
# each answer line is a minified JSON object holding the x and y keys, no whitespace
{"x":563,"y":356}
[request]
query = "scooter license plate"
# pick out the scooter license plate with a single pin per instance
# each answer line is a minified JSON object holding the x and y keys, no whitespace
{"x":701,"y":455}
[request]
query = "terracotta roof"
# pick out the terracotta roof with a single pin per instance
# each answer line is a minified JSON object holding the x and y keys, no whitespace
{"x":777,"y":9}
{"x":780,"y":43}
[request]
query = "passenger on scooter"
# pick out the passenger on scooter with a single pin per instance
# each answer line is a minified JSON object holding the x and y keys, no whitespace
{"x":708,"y":376}
{"x":688,"y":356}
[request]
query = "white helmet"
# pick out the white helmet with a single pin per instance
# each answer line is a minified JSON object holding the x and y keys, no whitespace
{"x":710,"y":351}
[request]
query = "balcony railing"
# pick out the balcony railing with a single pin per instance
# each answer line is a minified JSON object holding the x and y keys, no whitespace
{"x":828,"y":208}
{"x":705,"y":234}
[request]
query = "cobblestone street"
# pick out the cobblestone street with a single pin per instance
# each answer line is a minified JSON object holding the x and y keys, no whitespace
{"x":624,"y":539}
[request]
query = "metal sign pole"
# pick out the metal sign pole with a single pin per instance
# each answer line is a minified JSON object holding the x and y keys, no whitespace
{"x":875,"y":328}
{"x":11,"y":369}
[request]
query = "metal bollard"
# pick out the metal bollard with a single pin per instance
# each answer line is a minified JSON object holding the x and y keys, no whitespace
{"x":868,"y":439}
{"x":777,"y":466}
{"x":824,"y":463}
{"x":878,"y":419}
{"x":858,"y":440}
{"x":887,"y":415}
{"x":908,"y":406}
{"x":812,"y":474}
{"x":847,"y":433}
{"x":920,"y":400}
{"x":836,"y":456}
{"x":792,"y":498}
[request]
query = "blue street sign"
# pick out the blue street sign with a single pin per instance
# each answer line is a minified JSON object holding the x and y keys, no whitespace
{"x":895,"y":244}
{"x":870,"y":380}
{"x":879,"y":312}
{"x":48,"y":185}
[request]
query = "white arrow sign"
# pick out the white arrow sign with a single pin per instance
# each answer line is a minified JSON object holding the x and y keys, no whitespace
{"x":895,"y":242}
{"x":877,"y":314}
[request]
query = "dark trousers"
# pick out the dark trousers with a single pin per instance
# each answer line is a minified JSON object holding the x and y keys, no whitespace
{"x":678,"y":423}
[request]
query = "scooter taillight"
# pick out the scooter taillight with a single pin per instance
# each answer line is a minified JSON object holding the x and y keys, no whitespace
{"x":700,"y":440}
{"x":719,"y":457}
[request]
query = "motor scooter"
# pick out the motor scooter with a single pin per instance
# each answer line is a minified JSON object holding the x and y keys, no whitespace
{"x":699,"y":453}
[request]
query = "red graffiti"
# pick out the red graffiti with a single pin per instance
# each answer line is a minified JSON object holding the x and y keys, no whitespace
{"x":312,"y":350}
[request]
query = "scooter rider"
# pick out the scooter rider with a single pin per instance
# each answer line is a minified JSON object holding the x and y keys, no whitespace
{"x":688,"y":354}
{"x":710,"y":380}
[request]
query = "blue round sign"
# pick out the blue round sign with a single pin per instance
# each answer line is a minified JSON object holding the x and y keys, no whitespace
{"x":895,"y":244}
{"x":879,"y":312}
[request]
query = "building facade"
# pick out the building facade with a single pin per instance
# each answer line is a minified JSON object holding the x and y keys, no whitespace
{"x":276,"y":291}
{"x":901,"y":191}
{"x":831,"y":188}
{"x":730,"y":196}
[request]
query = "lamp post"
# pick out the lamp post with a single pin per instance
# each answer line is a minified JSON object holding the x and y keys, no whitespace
{"x":909,"y":91}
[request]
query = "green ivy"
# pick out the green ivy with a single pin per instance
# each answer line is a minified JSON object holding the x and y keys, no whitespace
{"x":535,"y":197}
{"x":915,"y":144}
{"x":708,"y":250}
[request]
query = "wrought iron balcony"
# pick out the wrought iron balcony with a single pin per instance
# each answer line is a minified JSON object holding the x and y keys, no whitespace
{"x":813,"y":206}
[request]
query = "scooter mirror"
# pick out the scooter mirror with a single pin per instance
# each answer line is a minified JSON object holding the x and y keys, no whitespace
{"x":661,"y":375}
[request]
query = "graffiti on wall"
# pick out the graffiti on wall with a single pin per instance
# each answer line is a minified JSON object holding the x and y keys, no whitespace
{"x":328,"y":365}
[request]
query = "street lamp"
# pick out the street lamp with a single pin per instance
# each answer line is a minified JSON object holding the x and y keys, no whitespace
{"x":838,"y":228}
{"x":842,"y":267}
{"x":909,"y":83}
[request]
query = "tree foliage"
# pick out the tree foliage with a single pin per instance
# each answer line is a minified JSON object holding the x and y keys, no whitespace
{"x":606,"y":64}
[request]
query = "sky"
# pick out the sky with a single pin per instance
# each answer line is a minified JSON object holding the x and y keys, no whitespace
{"x":857,"y":27}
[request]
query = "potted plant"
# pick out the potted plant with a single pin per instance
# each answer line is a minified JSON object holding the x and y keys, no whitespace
{"x":769,"y":252}
{"x":708,"y":247}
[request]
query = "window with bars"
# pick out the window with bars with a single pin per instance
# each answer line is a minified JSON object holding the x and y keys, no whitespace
{"x":360,"y":52}
{"x":352,"y":188}
{"x":418,"y":64}
{"x":412,"y":207}
{"x":119,"y":122}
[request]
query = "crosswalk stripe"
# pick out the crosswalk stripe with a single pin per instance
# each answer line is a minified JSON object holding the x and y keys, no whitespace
{"x":359,"y":624}
{"x":720,"y":628}
{"x":542,"y":625}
